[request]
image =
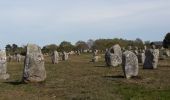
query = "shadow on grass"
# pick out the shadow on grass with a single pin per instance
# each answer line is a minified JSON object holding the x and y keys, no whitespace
{"x":114,"y":77}
{"x":39,"y":84}
{"x":100,"y":66}
{"x":15,"y":82}
{"x":123,"y":77}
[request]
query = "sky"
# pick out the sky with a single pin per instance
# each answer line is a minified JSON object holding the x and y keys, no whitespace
{"x":52,"y":21}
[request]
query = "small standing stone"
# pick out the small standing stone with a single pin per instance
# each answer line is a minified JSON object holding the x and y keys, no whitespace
{"x":18,"y":57}
{"x":64,"y":55}
{"x":95,"y":56}
{"x":55,"y":57}
{"x":130,"y":64}
{"x":3,"y":65}
{"x":34,"y":70}
{"x":108,"y":57}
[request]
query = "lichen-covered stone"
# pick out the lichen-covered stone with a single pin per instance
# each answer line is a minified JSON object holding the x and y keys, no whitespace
{"x":3,"y":65}
{"x":130,"y":64}
{"x":55,"y":57}
{"x":34,"y":70}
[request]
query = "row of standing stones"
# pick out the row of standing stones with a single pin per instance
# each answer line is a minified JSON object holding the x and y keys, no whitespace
{"x":130,"y":59}
{"x":34,"y":70}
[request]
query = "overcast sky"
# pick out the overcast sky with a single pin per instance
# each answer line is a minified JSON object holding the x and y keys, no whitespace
{"x":53,"y":21}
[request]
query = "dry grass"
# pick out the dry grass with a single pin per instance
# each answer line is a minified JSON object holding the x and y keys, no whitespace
{"x":80,"y":79}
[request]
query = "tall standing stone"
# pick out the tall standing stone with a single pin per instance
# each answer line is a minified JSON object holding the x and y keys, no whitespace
{"x":55,"y":57}
{"x":34,"y":70}
{"x":130,"y":64}
{"x":3,"y":65}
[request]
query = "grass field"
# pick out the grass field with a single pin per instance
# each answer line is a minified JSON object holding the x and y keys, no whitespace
{"x":80,"y":79}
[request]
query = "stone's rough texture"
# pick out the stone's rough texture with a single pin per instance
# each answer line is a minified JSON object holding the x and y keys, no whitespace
{"x":55,"y":57}
{"x":64,"y":56}
{"x":113,"y":56}
{"x":167,"y":53}
{"x":130,"y":64}
{"x":115,"y":60}
{"x":116,"y":49}
{"x":3,"y":65}
{"x":34,"y":70}
{"x":151,"y":59}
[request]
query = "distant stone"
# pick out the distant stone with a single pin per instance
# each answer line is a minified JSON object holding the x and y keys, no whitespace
{"x":34,"y":70}
{"x":136,"y":51}
{"x":129,"y":48}
{"x":55,"y":57}
{"x":95,"y":56}
{"x":151,"y":60}
{"x":64,"y":55}
{"x":108,"y":57}
{"x":141,"y":56}
{"x":3,"y":65}
{"x":18,"y":57}
{"x":130,"y":64}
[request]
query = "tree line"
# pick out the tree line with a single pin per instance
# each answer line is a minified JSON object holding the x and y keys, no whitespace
{"x":99,"y":44}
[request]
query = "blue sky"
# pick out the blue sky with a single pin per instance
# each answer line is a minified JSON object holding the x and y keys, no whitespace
{"x":53,"y":21}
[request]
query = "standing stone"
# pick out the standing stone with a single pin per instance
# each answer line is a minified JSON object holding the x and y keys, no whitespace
{"x":129,"y":48}
{"x":151,"y":60}
{"x":115,"y":60}
{"x":162,"y":54}
{"x":116,"y":55}
{"x":130,"y":64}
{"x":108,"y":57}
{"x":18,"y":57}
{"x":116,"y":49}
{"x":55,"y":57}
{"x":64,"y":56}
{"x":141,"y":57}
{"x":136,"y":51}
{"x":3,"y":65}
{"x":145,"y":47}
{"x":9,"y":58}
{"x":167,"y":53}
{"x":34,"y":70}
{"x":95,"y":56}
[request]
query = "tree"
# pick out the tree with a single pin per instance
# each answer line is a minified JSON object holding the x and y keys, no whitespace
{"x":14,"y":47}
{"x":66,"y":46}
{"x":49,"y":48}
{"x":90,"y":43}
{"x":81,"y":45}
{"x":8,"y":48}
{"x":166,"y":41}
